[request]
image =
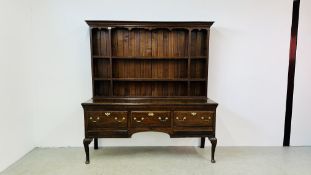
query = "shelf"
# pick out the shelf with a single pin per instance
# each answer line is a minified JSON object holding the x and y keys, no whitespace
{"x":197,"y":79}
{"x":149,"y":63}
{"x":144,"y":57}
{"x":146,"y":98}
{"x":150,"y":58}
{"x":97,"y":56}
{"x":102,"y":79}
{"x":149,"y":79}
{"x":198,"y":57}
{"x":137,"y":98}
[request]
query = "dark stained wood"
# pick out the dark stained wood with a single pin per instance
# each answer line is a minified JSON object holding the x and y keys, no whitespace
{"x":86,"y":142}
{"x":198,"y":88}
{"x":95,"y":143}
{"x":149,"y":69}
{"x":160,"y":104}
{"x":101,"y":68}
{"x":110,"y":61}
{"x":149,"y":76}
{"x":106,"y":119}
{"x":198,"y":42}
{"x":150,"y":119}
{"x":149,"y":24}
{"x":149,"y":88}
{"x":101,"y":88}
{"x":159,"y":53}
{"x":202,"y":145}
{"x":214,"y":143}
{"x":189,"y":47}
{"x":194,"y":118}
{"x":197,"y":68}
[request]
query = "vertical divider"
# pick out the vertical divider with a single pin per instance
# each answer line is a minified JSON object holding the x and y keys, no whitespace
{"x":92,"y":61}
{"x":100,"y":42}
{"x":207,"y":59}
{"x":110,"y":60}
{"x":189,"y":60}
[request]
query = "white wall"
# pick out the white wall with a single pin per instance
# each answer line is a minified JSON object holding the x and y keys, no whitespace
{"x":248,"y":65}
{"x":15,"y":103}
{"x":301,"y":123}
{"x":249,"y":53}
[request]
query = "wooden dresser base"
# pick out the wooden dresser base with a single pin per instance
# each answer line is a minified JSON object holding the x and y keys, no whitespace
{"x":120,"y":118}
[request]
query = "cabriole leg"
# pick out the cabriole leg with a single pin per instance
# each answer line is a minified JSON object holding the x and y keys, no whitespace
{"x":214,"y":143}
{"x":86,"y":143}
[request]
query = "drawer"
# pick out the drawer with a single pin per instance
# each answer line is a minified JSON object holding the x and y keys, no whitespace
{"x":151,"y":119}
{"x":106,"y":119}
{"x":194,"y":118}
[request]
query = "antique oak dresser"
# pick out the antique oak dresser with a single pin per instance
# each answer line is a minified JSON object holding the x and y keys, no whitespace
{"x":149,"y":76}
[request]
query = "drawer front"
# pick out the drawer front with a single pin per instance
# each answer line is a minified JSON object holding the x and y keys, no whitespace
{"x":194,"y":118}
{"x":151,"y":119}
{"x":106,"y":119}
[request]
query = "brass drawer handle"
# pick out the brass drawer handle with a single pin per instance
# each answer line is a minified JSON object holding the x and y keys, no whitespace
{"x":94,"y":120}
{"x":107,"y":114}
{"x":139,"y":121}
{"x":150,"y":114}
{"x":208,"y":119}
{"x":181,"y":119}
{"x":120,"y":121}
{"x":163,"y":120}
{"x":193,"y":113}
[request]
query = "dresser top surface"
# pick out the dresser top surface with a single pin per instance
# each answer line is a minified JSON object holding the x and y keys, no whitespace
{"x":149,"y":101}
{"x":95,"y":23}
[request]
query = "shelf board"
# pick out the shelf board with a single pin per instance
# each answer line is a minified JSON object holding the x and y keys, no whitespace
{"x":197,"y":79}
{"x":153,"y":97}
{"x":149,"y":79}
{"x":145,"y":57}
{"x":198,"y":57}
{"x":97,"y":56}
{"x":149,"y":58}
{"x":102,"y":79}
